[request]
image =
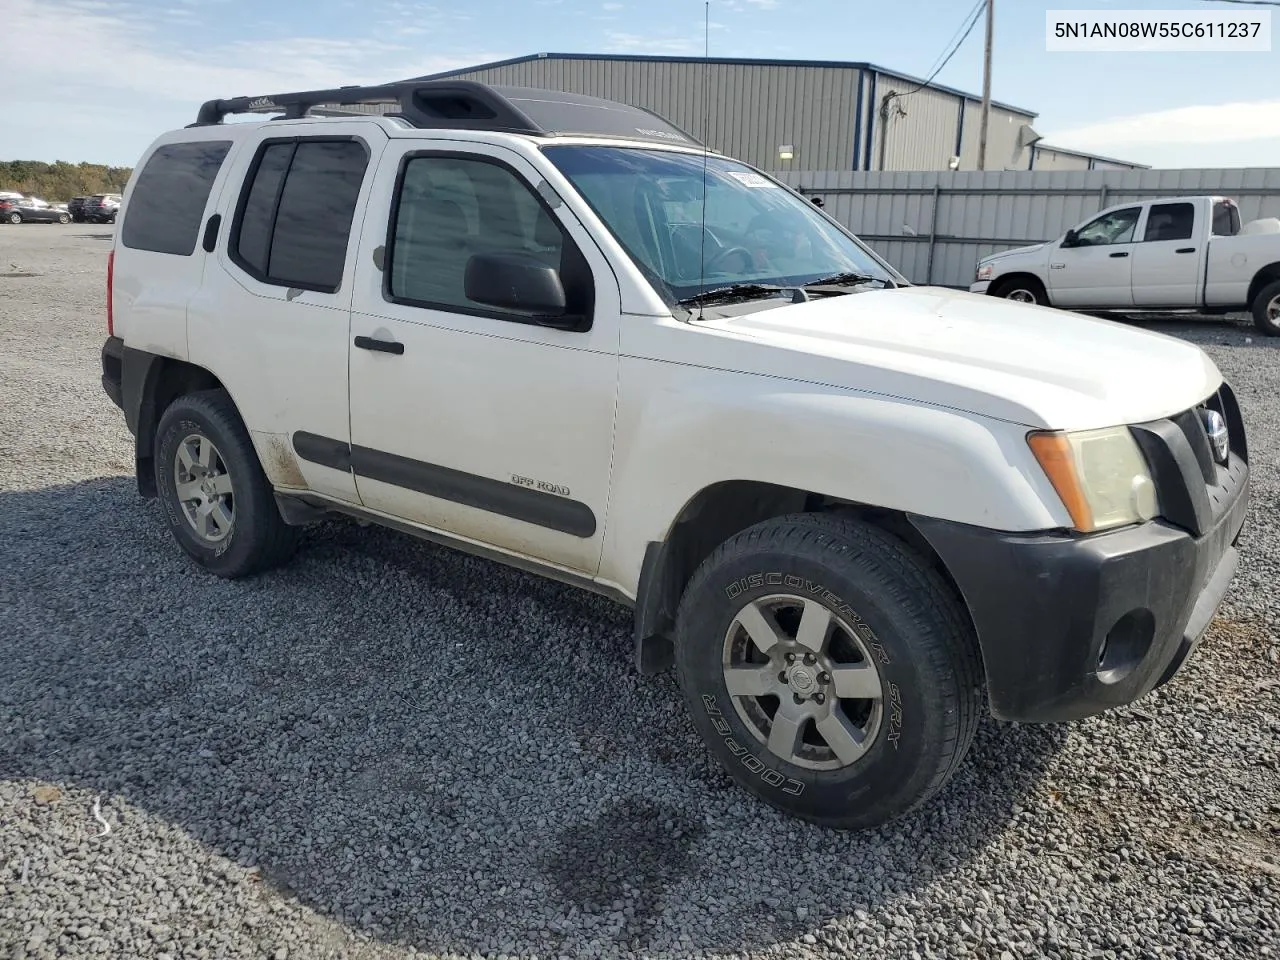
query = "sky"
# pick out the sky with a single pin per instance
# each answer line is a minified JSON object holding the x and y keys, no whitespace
{"x":96,"y":80}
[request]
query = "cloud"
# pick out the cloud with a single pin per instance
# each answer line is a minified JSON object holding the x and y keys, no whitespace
{"x":764,"y":4}
{"x":612,"y":6}
{"x":1237,"y":134}
{"x":620,"y":42}
{"x":1218,"y":123}
{"x":133,"y":77}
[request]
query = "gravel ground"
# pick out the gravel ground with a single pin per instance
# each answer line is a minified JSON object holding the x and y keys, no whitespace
{"x":388,"y":749}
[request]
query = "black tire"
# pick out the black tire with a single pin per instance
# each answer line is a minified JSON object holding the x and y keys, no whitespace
{"x":15,"y":217}
{"x":258,"y":539}
{"x":64,"y":218}
{"x":1262,"y":318}
{"x":919,"y":639}
{"x":1016,"y":288}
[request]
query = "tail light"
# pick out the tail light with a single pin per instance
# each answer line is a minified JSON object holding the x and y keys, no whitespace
{"x":111,"y":270}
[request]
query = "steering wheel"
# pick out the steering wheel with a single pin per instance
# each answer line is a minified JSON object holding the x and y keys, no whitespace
{"x":748,"y":258}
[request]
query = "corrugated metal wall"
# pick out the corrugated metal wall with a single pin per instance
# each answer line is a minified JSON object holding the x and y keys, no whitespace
{"x":922,"y":139}
{"x":1050,"y":159}
{"x":1003,"y":151}
{"x":754,"y":109}
{"x":829,"y":114}
{"x":978,"y":214}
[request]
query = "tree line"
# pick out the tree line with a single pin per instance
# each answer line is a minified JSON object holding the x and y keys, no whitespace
{"x":60,"y":181}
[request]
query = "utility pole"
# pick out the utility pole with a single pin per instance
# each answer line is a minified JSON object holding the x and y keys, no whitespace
{"x":986,"y":87}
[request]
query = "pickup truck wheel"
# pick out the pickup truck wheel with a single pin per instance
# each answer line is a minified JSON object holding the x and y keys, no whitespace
{"x":1022,"y":290}
{"x":829,"y":669}
{"x":216,"y":497}
{"x":1266,"y":309}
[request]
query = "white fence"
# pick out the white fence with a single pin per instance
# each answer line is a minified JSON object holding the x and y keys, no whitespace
{"x":935,"y":226}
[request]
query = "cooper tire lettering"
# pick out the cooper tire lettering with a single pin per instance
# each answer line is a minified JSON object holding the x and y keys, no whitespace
{"x":753,"y":763}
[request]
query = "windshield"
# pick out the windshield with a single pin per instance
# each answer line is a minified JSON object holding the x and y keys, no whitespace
{"x":756,"y":233}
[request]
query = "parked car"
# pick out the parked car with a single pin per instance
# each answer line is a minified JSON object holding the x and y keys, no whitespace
{"x":75,"y":207}
{"x":851,"y":513}
{"x":102,"y":207}
{"x":32,"y":210}
{"x":1173,"y":253}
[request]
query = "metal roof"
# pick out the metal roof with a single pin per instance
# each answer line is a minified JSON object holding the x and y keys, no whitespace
{"x":733,"y":61}
{"x":1072,"y":152}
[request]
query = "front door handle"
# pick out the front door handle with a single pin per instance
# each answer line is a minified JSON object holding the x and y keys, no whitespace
{"x":1115,"y":255}
{"x":383,"y":346}
{"x":1187,"y":250}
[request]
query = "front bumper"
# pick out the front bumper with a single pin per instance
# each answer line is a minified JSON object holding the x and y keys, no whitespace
{"x":1071,"y":625}
{"x":981,"y":286}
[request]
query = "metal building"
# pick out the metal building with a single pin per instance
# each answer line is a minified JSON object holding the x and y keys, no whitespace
{"x":802,"y":114}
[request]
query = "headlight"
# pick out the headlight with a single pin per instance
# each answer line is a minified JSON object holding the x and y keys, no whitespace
{"x":984,"y":271}
{"x":1101,"y":476}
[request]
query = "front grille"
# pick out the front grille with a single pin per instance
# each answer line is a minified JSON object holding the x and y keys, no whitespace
{"x":1194,"y":489}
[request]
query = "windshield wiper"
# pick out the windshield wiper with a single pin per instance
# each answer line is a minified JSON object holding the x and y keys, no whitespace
{"x":846,"y":280}
{"x":734,"y":293}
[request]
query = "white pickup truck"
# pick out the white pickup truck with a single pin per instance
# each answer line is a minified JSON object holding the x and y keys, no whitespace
{"x":1176,"y":253}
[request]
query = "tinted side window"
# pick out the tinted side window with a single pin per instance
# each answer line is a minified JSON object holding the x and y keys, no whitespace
{"x":295,"y":222}
{"x":169,"y":197}
{"x":1226,"y":219}
{"x":450,"y":208}
{"x":1170,"y":221}
{"x":253,"y":240}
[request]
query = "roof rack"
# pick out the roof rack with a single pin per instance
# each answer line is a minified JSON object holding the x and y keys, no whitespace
{"x":468,"y":105}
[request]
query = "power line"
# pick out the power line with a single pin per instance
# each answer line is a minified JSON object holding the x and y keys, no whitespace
{"x":953,"y":38}
{"x":972,"y":22}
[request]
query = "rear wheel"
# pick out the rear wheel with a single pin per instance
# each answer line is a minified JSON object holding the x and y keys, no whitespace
{"x":829,"y":669}
{"x":1266,"y":309}
{"x":216,"y":497}
{"x":1021,"y":290}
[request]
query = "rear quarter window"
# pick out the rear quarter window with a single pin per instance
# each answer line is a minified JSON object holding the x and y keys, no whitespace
{"x":169,"y":197}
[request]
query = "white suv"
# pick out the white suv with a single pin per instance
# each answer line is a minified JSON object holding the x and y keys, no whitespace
{"x":846,"y":509}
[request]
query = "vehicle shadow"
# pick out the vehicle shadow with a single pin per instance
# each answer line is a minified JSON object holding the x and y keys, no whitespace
{"x":416,"y":743}
{"x":92,"y":236}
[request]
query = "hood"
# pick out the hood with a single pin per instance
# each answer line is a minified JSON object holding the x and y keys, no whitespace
{"x":1031,"y":365}
{"x":1016,"y":251}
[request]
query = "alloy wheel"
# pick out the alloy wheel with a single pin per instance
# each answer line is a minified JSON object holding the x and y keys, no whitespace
{"x":803,"y":682}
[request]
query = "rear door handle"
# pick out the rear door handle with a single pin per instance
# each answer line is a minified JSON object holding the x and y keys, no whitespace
{"x":382,"y":346}
{"x":1187,"y":250}
{"x":1115,"y":255}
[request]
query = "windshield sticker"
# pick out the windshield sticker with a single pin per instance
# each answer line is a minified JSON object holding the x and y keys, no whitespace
{"x":752,"y":180}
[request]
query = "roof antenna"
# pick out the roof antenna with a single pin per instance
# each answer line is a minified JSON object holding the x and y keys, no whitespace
{"x":706,"y":124}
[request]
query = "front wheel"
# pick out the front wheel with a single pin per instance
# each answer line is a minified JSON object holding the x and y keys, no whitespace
{"x":1266,"y":309}
{"x":829,"y":669}
{"x":64,"y":218}
{"x":15,"y":217}
{"x":1021,"y":290}
{"x":216,"y":497}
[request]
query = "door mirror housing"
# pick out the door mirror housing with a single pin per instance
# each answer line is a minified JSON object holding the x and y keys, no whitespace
{"x":1071,"y":239}
{"x":519,"y":282}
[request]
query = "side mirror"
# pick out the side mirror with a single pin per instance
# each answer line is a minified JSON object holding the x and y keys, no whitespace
{"x":520,"y":282}
{"x":1070,"y":239}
